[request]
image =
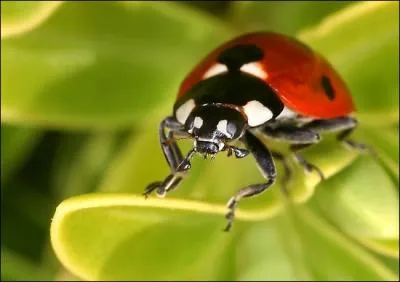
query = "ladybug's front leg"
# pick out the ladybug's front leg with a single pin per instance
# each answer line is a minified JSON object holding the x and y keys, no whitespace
{"x":173,"y":155}
{"x":266,"y":163}
{"x":168,"y":144}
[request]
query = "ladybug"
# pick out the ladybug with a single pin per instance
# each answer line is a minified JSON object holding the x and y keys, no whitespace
{"x":257,"y":83}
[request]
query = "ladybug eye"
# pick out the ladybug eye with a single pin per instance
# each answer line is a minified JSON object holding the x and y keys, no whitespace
{"x":222,"y":127}
{"x":215,"y":70}
{"x":255,"y":69}
{"x":198,"y":122}
{"x":232,"y":128}
{"x":193,"y":124}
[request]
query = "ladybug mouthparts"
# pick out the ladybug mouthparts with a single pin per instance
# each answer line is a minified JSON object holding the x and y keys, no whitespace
{"x":208,"y":147}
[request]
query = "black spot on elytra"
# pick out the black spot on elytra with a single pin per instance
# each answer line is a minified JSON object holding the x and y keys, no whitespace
{"x":238,"y":55}
{"x":326,"y":84}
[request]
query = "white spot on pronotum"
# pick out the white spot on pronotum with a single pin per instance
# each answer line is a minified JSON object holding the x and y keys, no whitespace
{"x":255,"y":69}
{"x":215,"y":70}
{"x":286,"y":114}
{"x":206,"y":139}
{"x":198,"y":122}
{"x":184,"y":111}
{"x":257,"y":113}
{"x":222,"y":126}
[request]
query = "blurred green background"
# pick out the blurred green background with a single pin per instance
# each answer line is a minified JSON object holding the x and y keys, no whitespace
{"x":84,"y":86}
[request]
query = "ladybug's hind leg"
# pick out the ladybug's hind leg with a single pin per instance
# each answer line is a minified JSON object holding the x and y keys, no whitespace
{"x":265,"y":162}
{"x":344,"y":125}
{"x":173,"y":155}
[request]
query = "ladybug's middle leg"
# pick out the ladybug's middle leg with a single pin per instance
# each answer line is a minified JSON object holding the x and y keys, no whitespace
{"x":287,"y":171}
{"x":177,"y":163}
{"x":300,"y":138}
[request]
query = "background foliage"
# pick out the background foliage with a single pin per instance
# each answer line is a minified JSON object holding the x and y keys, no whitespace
{"x":84,"y":86}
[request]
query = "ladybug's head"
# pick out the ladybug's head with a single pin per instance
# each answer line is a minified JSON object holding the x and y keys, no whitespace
{"x":213,"y":126}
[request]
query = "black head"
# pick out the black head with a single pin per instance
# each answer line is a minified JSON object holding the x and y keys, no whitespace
{"x":212,"y":126}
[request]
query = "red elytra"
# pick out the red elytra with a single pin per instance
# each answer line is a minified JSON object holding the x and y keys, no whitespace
{"x":293,"y":70}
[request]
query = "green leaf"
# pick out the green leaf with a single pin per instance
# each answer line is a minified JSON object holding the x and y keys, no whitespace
{"x":286,"y":17}
{"x":28,"y":203}
{"x":386,"y":145}
{"x":362,"y":43}
{"x":136,"y":232}
{"x":18,"y":17}
{"x":363,"y":202}
{"x":390,"y":262}
{"x":15,"y":267}
{"x":16,"y":145}
{"x":49,"y":261}
{"x":265,"y":253}
{"x":64,"y":275}
{"x":387,"y":247}
{"x":96,"y":65}
{"x":80,"y":162}
{"x":298,"y":245}
{"x":331,"y":256}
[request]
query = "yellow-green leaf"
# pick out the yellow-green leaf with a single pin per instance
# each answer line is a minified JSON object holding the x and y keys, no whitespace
{"x":102,"y":64}
{"x":18,"y":17}
{"x":120,"y":237}
{"x":362,"y":200}
{"x":287,"y":17}
{"x":298,"y":245}
{"x":17,"y":143}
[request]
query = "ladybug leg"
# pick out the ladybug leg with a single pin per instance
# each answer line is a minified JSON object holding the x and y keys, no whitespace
{"x":287,"y":171}
{"x":300,"y":138}
{"x":172,"y":180}
{"x":239,"y":153}
{"x":300,"y":159}
{"x":168,"y":144}
{"x":173,"y":155}
{"x":266,"y":163}
{"x":344,"y":125}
